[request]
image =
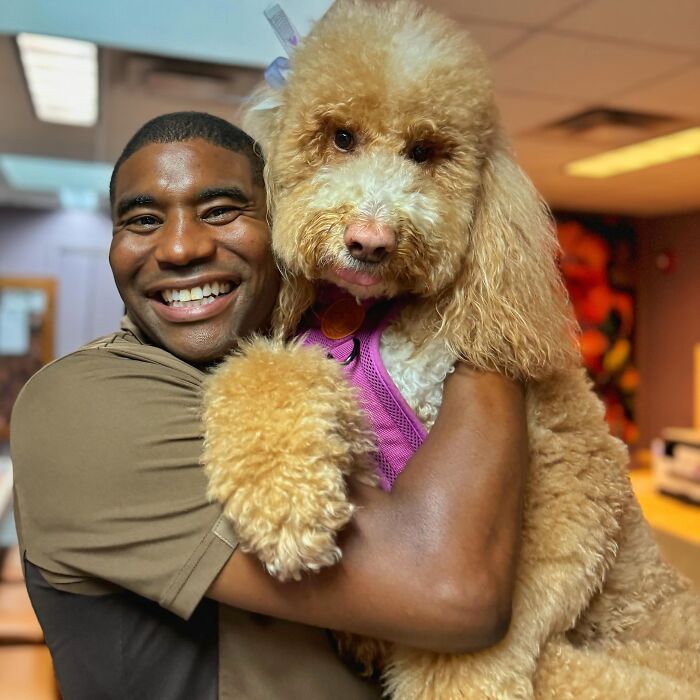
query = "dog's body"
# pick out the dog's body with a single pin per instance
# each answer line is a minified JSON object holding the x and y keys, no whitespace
{"x":398,"y":142}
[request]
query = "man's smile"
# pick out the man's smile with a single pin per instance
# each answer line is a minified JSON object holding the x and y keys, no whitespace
{"x":183,"y":301}
{"x":203,"y":294}
{"x":194,"y":309}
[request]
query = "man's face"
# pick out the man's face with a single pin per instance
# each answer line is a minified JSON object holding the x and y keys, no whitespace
{"x":191,"y":247}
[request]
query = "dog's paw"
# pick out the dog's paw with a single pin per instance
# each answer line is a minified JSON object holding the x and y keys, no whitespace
{"x":295,"y":535}
{"x":283,"y":430}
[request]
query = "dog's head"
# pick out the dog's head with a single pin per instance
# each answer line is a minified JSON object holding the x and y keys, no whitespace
{"x":387,"y":173}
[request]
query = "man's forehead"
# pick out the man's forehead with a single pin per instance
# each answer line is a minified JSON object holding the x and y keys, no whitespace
{"x":183,"y":166}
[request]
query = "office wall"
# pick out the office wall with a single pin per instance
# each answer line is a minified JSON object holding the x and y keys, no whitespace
{"x":668,"y":321}
{"x":70,"y":247}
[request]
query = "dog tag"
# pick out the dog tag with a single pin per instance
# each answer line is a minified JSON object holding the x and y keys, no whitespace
{"x":342,"y":318}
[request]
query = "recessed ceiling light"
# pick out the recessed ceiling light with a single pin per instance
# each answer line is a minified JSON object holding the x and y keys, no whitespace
{"x":62,"y":78}
{"x":662,"y":149}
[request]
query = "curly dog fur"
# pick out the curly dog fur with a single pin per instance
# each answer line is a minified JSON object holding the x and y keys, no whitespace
{"x":596,"y":612}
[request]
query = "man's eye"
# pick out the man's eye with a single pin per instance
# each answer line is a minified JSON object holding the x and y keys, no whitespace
{"x":145,"y":221}
{"x":220,"y":214}
{"x":219,"y":211}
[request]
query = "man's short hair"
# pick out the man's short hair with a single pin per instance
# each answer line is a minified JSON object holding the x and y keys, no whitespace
{"x":185,"y":126}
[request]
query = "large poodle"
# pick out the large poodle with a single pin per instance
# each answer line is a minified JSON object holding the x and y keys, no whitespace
{"x":389,"y":177}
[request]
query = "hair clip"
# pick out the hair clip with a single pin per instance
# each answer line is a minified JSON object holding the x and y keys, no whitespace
{"x":276,"y":73}
{"x":283,"y":27}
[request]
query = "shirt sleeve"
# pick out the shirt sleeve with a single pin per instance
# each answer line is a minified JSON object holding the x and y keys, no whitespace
{"x":109,"y":490}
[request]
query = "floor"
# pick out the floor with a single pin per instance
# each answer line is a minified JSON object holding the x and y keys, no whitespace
{"x":676,"y":525}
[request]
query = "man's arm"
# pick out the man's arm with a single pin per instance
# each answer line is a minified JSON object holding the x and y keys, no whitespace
{"x":431,"y":565}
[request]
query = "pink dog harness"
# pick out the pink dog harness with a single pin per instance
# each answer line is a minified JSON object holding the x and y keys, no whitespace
{"x":398,"y":430}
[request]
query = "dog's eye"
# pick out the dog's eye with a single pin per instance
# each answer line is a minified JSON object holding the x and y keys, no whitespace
{"x":420,"y":152}
{"x":344,"y":140}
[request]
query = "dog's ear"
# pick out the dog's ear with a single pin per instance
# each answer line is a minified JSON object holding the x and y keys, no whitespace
{"x":260,"y":114}
{"x":509,"y":311}
{"x":260,"y":119}
{"x":296,"y":295}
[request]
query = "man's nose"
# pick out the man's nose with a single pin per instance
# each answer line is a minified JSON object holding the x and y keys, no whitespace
{"x":369,"y":241}
{"x":183,"y":242}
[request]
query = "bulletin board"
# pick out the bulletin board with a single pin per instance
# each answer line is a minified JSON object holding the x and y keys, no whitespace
{"x":27,"y":308}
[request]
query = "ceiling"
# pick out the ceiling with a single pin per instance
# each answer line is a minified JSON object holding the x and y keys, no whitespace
{"x":551,"y":59}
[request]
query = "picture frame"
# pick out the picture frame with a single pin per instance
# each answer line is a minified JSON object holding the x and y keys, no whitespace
{"x":27,"y":324}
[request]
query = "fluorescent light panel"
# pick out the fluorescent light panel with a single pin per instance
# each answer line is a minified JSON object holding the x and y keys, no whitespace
{"x":62,"y":78}
{"x":662,"y":149}
{"x":54,"y":174}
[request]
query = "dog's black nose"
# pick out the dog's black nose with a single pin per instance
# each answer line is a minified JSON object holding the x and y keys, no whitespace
{"x":369,"y":241}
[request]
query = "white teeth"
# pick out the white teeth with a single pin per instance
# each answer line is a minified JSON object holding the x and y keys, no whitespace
{"x":196,"y":296}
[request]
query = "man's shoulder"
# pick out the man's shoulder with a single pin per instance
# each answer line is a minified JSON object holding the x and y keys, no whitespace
{"x":106,"y":446}
{"x":99,"y":364}
{"x":114,"y":381}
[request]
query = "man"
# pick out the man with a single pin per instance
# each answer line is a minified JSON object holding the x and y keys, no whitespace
{"x":135,"y":577}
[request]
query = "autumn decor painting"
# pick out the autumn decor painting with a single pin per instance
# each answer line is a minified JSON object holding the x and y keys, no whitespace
{"x":598,"y":267}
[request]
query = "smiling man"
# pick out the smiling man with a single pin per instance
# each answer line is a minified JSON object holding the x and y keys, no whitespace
{"x":134,"y":574}
{"x":191,"y":251}
{"x":119,"y":540}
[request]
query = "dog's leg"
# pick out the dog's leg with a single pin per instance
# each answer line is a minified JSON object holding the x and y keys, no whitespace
{"x":564,"y":672}
{"x":644,"y":599}
{"x":634,"y":672}
{"x":636,"y":627}
{"x":283,"y":429}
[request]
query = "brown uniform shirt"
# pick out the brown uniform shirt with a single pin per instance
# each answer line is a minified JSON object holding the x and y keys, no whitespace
{"x":121,"y":543}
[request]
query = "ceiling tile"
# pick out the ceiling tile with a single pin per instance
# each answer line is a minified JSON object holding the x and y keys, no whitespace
{"x":493,"y":38}
{"x":21,"y":131}
{"x":550,"y":75}
{"x":660,"y":190}
{"x":9,"y":60}
{"x":673,"y":23}
{"x":523,"y":112}
{"x":557,"y":65}
{"x":530,"y":14}
{"x":676,"y":95}
{"x":126,"y":110}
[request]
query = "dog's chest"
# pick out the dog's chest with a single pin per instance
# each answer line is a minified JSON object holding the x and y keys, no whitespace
{"x":418,"y":375}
